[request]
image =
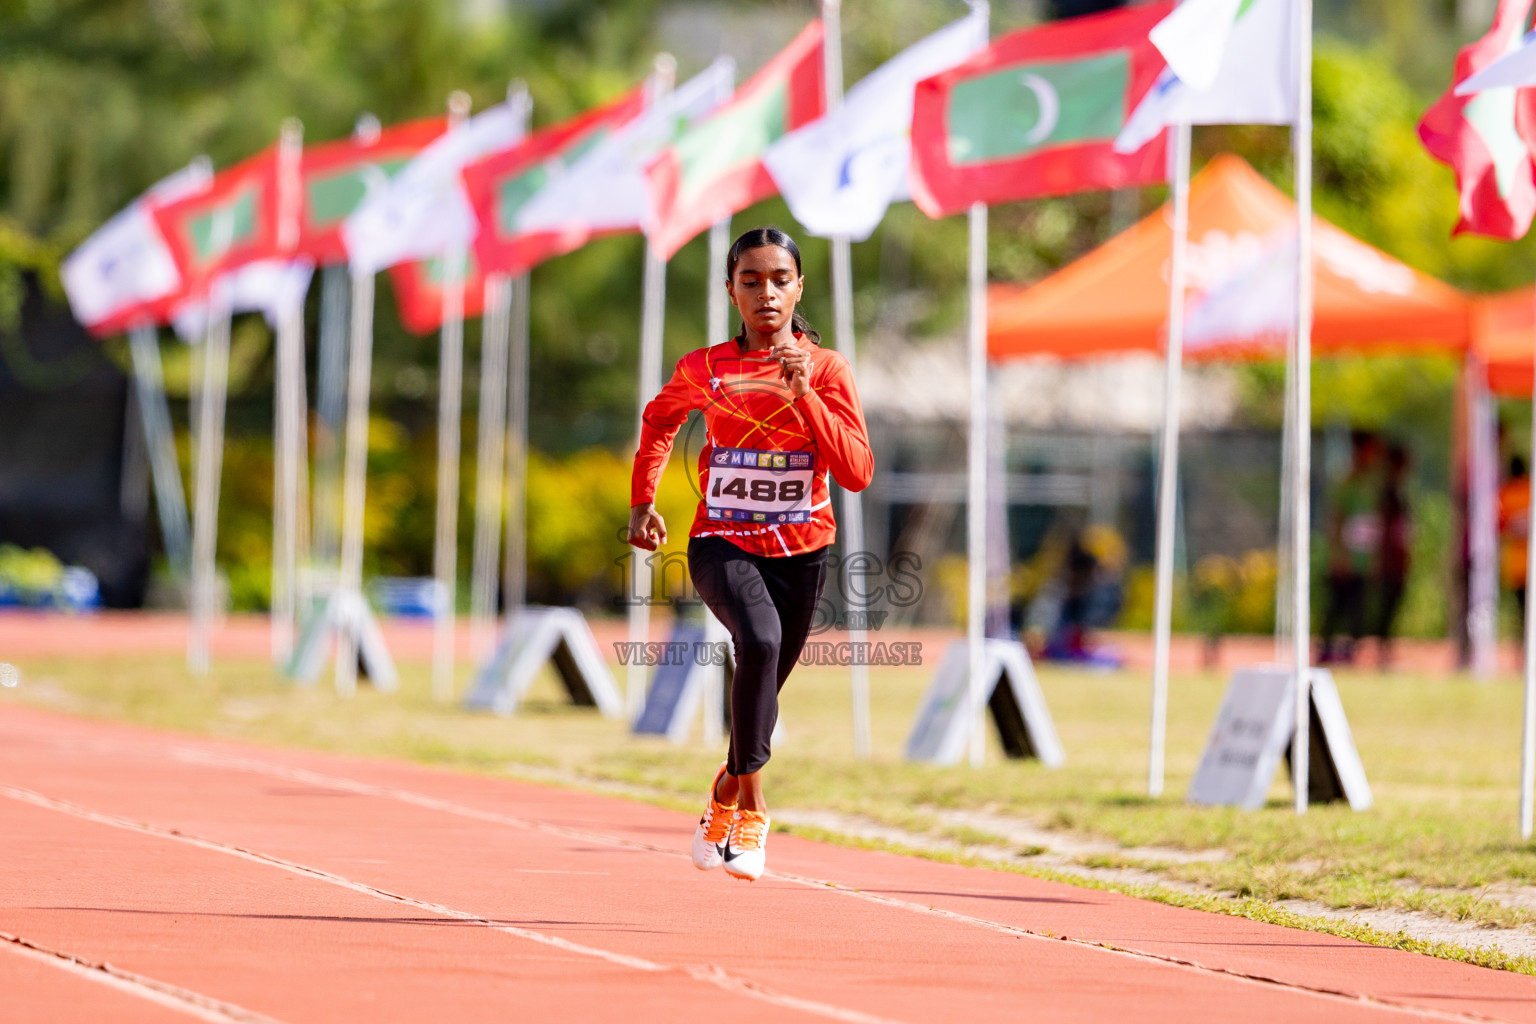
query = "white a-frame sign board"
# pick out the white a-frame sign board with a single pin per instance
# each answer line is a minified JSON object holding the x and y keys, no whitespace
{"x":1010,"y":692}
{"x":1253,"y":731}
{"x":535,"y":637}
{"x":344,"y":611}
{"x":694,"y":668}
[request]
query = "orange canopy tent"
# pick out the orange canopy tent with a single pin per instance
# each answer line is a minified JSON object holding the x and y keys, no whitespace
{"x":1115,"y":299}
{"x":1504,"y":340}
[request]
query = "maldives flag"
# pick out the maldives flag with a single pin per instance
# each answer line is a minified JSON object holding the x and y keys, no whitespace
{"x":337,"y":176}
{"x":500,"y":186}
{"x":1487,"y":138}
{"x":124,"y":273}
{"x":715,"y":168}
{"x":1037,"y":113}
{"x":231,"y":223}
{"x":419,"y":292}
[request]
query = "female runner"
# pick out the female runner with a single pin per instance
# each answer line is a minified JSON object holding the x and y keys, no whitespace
{"x":780,"y":414}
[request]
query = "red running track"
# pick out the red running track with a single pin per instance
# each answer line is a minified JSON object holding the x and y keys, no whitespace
{"x":150,"y":876}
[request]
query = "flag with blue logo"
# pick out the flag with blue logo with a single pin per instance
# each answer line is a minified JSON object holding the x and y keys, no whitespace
{"x":1229,"y":62}
{"x":841,"y":171}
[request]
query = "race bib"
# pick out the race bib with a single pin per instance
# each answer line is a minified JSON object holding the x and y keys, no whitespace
{"x":750,"y":486}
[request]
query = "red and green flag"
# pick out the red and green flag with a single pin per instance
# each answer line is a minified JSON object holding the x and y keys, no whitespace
{"x":715,"y":168}
{"x":232,"y":223}
{"x":501,"y":185}
{"x":1488,"y":138}
{"x":335,"y":176}
{"x":418,"y":290}
{"x":1037,"y":113}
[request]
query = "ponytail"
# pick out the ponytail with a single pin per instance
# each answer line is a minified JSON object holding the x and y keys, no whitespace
{"x":756,"y":238}
{"x":803,"y":326}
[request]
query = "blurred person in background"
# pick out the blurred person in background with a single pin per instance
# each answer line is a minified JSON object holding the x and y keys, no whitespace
{"x":1515,"y":529}
{"x":1396,"y":543}
{"x":1354,"y":549}
{"x":1085,"y":594}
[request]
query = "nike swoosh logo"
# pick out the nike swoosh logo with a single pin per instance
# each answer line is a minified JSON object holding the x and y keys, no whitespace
{"x":726,"y":854}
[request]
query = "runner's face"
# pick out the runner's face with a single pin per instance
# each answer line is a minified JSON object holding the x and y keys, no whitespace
{"x":765,"y":288}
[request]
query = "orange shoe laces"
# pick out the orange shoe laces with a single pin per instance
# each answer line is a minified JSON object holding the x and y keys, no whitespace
{"x":750,"y":829}
{"x":717,"y":821}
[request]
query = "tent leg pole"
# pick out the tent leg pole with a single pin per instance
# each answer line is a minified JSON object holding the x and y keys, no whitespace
{"x":1482,"y":524}
{"x":1528,"y":718}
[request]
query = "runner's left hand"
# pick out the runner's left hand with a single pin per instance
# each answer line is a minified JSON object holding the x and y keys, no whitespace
{"x":794,"y":367}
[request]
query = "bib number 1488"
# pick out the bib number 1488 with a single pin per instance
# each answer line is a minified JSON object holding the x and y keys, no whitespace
{"x":788,"y":491}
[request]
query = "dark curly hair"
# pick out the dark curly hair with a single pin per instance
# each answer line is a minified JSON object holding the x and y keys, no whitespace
{"x":757,"y":238}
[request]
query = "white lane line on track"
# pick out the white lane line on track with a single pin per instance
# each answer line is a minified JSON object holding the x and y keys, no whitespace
{"x":708,"y":973}
{"x":193,"y":1004}
{"x":210,"y":758}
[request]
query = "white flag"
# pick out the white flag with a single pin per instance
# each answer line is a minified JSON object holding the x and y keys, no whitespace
{"x":268,"y":287}
{"x":1517,"y":68}
{"x":841,"y":171}
{"x":1193,"y":39}
{"x":422,"y":212}
{"x":605,"y":189}
{"x":1255,"y":77}
{"x":125,"y":263}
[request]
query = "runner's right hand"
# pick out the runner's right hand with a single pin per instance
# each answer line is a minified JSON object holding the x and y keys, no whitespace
{"x":647,"y":530}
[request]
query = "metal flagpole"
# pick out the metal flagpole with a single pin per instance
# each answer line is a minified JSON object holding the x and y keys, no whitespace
{"x":170,"y":499}
{"x":976,"y":481}
{"x":1301,"y":491}
{"x":450,"y":404}
{"x":843,"y":336}
{"x":651,"y":326}
{"x":210,"y":452}
{"x":331,"y":395}
{"x":1285,"y":578}
{"x":288,"y":445}
{"x":330,"y":409}
{"x":354,"y":480}
{"x":515,"y":567}
{"x":1168,"y":464}
{"x":718,"y":317}
{"x":976,"y":464}
{"x":652,"y":317}
{"x":491,"y":437}
{"x":1528,"y":718}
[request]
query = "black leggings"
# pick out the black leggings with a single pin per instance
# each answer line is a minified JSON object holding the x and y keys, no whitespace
{"x":768,"y":605}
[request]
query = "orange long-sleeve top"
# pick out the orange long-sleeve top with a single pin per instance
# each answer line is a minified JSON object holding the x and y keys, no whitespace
{"x":750,"y":412}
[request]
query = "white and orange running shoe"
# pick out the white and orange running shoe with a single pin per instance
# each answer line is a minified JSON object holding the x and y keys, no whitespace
{"x":746,"y":851}
{"x":709,"y":838}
